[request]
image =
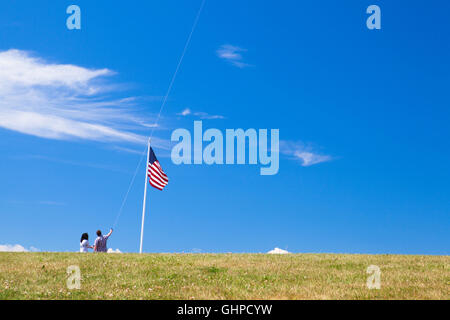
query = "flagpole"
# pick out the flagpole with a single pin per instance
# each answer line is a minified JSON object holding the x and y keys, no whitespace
{"x":145,"y":196}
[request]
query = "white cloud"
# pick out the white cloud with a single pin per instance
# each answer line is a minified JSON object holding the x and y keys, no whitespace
{"x":204,"y":115}
{"x":114,"y":251}
{"x":185,"y":112}
{"x":201,"y":115}
{"x":278,"y":251}
{"x":16,"y":248}
{"x":309,"y":158}
{"x":232,"y":54}
{"x":12,"y":248}
{"x":300,"y":152}
{"x":63,"y":101}
{"x":19,"y":68}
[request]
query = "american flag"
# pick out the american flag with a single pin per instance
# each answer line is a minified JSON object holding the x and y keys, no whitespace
{"x":157,"y":177}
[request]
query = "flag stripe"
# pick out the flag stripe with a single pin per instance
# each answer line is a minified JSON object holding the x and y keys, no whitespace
{"x":155,"y":171}
{"x":162,"y":183}
{"x":158,"y":166}
{"x":155,"y":174}
{"x":158,"y":171}
{"x":157,"y":178}
{"x":155,"y":185}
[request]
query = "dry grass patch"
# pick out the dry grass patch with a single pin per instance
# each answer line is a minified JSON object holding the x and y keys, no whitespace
{"x":222,"y":276}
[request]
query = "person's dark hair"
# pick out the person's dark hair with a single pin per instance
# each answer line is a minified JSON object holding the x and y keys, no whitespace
{"x":84,"y":236}
{"x":99,"y":233}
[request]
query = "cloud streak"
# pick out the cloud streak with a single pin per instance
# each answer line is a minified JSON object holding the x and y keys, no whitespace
{"x":201,"y":115}
{"x":232,"y":54}
{"x":306,"y":155}
{"x":63,"y":101}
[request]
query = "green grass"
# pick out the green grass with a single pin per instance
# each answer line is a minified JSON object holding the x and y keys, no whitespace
{"x":222,"y":276}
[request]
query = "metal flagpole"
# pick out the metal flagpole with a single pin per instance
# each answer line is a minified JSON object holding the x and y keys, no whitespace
{"x":145,"y":196}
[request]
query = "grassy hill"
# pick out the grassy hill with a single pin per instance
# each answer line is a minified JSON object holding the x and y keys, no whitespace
{"x":222,"y":276}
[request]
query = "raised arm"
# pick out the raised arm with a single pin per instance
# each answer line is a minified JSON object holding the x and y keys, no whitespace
{"x":110,"y":231}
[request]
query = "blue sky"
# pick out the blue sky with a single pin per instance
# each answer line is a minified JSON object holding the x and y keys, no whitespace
{"x":363,"y":118}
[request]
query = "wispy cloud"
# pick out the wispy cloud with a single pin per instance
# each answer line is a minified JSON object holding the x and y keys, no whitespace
{"x":64,"y":101}
{"x":185,"y":112}
{"x":201,"y":115}
{"x":16,"y":248}
{"x":232,"y":54}
{"x":303,"y":153}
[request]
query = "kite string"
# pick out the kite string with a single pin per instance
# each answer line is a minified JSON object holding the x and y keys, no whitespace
{"x":129,"y":188}
{"x":169,"y":89}
{"x":178,"y":65}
